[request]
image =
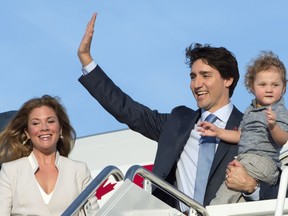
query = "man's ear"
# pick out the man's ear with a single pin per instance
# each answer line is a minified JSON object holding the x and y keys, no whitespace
{"x":228,"y":82}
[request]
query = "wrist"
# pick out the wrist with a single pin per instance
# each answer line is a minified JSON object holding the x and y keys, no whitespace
{"x":271,"y":126}
{"x":253,"y":187}
{"x":85,"y":59}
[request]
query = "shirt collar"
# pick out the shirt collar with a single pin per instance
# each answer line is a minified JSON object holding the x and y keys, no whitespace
{"x":222,"y":114}
{"x":34,"y":163}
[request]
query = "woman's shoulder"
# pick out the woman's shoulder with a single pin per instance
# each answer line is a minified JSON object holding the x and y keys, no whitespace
{"x":16,"y":163}
{"x":73,"y":167}
{"x":72,"y":162}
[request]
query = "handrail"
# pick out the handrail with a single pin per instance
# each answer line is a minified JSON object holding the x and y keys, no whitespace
{"x":92,"y":187}
{"x":168,"y":188}
{"x":281,"y":193}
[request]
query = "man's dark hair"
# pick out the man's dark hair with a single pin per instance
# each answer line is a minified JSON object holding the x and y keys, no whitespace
{"x":217,"y":57}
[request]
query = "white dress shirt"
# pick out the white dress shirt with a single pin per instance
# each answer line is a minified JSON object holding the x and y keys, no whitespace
{"x":187,"y":164}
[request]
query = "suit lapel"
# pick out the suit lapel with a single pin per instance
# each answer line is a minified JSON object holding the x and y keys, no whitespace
{"x":224,"y":147}
{"x":173,"y":139}
{"x":188,"y":123}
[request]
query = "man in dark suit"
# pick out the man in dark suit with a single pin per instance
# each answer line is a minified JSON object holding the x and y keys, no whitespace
{"x":214,"y":75}
{"x":5,"y":117}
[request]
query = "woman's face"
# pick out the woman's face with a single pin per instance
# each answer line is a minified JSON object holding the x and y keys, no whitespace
{"x":43,"y":129}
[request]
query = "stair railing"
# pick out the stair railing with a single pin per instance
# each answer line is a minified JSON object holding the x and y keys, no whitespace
{"x":282,"y":193}
{"x":92,"y":188}
{"x":165,"y":186}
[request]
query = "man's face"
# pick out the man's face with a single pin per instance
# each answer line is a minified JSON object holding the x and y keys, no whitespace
{"x":210,"y":90}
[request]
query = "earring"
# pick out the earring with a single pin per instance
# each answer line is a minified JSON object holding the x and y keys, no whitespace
{"x":61,"y":136}
{"x":25,"y":141}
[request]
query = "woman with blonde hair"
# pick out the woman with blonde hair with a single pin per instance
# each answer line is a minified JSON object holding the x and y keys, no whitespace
{"x":36,"y":173}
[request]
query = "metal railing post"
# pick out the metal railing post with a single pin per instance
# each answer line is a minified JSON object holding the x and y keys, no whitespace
{"x":168,"y":188}
{"x":92,"y":187}
{"x":282,"y":193}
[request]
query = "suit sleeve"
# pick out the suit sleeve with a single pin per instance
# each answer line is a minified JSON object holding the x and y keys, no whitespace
{"x":270,"y":191}
{"x":120,"y":105}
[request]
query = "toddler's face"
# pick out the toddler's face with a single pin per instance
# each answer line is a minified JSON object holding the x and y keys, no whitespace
{"x":268,"y":87}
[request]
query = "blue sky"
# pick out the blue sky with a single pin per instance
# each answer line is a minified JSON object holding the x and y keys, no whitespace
{"x":139,"y":43}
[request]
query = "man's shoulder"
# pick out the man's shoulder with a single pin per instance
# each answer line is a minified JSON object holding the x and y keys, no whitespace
{"x":185,"y":113}
{"x":182,"y":108}
{"x":5,"y":117}
{"x":8,"y":114}
{"x":186,"y":109}
{"x":234,"y":119}
{"x":237,"y":112}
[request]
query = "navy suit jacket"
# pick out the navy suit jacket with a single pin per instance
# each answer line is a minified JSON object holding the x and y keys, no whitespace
{"x":5,"y":117}
{"x":170,"y":130}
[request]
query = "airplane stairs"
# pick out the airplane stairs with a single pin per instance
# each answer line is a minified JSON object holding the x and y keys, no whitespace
{"x":131,"y":200}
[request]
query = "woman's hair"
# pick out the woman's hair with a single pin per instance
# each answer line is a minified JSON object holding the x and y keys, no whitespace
{"x":13,"y":139}
{"x":265,"y":61}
